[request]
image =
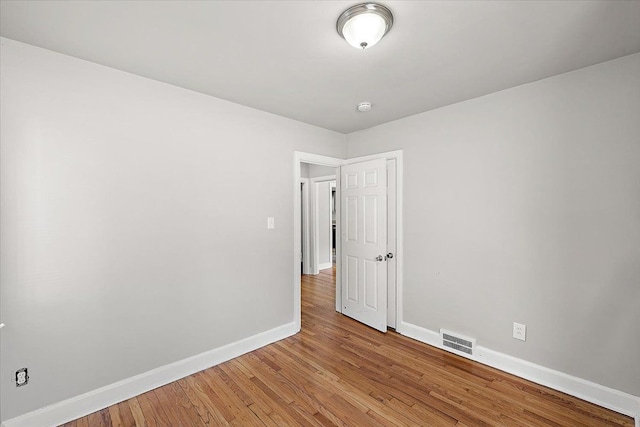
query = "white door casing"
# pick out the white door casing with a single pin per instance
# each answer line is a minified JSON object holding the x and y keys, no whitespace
{"x":321,"y":224}
{"x":304,"y":235}
{"x":391,"y":243}
{"x":364,"y":242}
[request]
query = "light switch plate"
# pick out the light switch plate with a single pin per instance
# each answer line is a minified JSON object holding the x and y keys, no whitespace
{"x":271,"y":223}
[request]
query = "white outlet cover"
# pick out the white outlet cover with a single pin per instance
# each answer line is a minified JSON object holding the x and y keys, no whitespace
{"x":271,"y":223}
{"x":519,"y":331}
{"x":21,"y":377}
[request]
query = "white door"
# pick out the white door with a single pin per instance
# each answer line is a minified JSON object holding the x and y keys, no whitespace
{"x":364,"y":242}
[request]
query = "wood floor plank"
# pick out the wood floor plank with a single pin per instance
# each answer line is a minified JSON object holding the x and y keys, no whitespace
{"x":114,"y":413}
{"x":207,"y":403}
{"x":227,"y":390}
{"x":136,"y":412}
{"x":152,"y":412}
{"x":263,"y":402}
{"x":339,"y":373}
{"x":99,"y":418}
{"x":126,"y":417}
{"x":170,"y":408}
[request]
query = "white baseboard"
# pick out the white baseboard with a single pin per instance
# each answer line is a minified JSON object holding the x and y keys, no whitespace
{"x":325,"y":266}
{"x":606,"y":397}
{"x":103,"y":397}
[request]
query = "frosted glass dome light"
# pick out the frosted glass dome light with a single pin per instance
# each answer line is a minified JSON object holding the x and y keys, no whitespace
{"x":363,"y":25}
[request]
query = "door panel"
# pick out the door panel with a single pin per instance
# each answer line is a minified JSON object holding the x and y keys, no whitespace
{"x":351,"y":221}
{"x":364,"y":242}
{"x":351,"y":282}
{"x":371,"y":284}
{"x":370,"y":218}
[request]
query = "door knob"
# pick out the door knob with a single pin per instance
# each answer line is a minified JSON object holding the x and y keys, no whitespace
{"x":390,"y":255}
{"x":379,"y":258}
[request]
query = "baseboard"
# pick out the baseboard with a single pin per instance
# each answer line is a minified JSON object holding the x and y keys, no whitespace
{"x":103,"y":397}
{"x":325,"y":266}
{"x":600,"y":395}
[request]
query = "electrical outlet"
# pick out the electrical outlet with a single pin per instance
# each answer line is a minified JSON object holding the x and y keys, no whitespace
{"x":519,"y":331}
{"x":22,"y":377}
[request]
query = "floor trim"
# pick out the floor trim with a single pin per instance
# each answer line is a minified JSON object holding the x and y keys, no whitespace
{"x":87,"y":403}
{"x":606,"y":397}
{"x":325,"y":266}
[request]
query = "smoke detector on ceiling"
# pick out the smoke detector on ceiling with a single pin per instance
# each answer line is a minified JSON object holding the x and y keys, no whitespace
{"x":364,"y":106}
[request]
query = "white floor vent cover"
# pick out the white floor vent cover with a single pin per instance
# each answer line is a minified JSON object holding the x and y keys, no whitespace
{"x":458,"y":343}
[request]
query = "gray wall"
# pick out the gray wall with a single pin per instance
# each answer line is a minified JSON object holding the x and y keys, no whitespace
{"x":308,"y":170}
{"x":304,"y":170}
{"x":319,"y":170}
{"x":524,"y":205}
{"x":131,"y":236}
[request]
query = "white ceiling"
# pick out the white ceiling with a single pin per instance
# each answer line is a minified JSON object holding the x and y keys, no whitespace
{"x":286,"y":57}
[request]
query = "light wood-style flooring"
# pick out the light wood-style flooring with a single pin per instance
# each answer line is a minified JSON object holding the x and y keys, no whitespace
{"x":338,"y":372}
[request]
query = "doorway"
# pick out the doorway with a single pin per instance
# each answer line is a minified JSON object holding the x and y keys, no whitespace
{"x":395,"y":160}
{"x":318,"y":217}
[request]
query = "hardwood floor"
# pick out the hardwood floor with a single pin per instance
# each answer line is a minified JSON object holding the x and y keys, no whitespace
{"x":337,"y":372}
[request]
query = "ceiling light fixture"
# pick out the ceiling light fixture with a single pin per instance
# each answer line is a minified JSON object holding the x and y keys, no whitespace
{"x":363,"y":25}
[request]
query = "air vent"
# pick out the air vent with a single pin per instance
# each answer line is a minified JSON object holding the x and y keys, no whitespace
{"x":458,"y":343}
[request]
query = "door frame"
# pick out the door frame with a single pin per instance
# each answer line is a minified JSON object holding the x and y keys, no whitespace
{"x":315,"y":209}
{"x":306,"y":260}
{"x":316,"y":159}
{"x":302,"y":157}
